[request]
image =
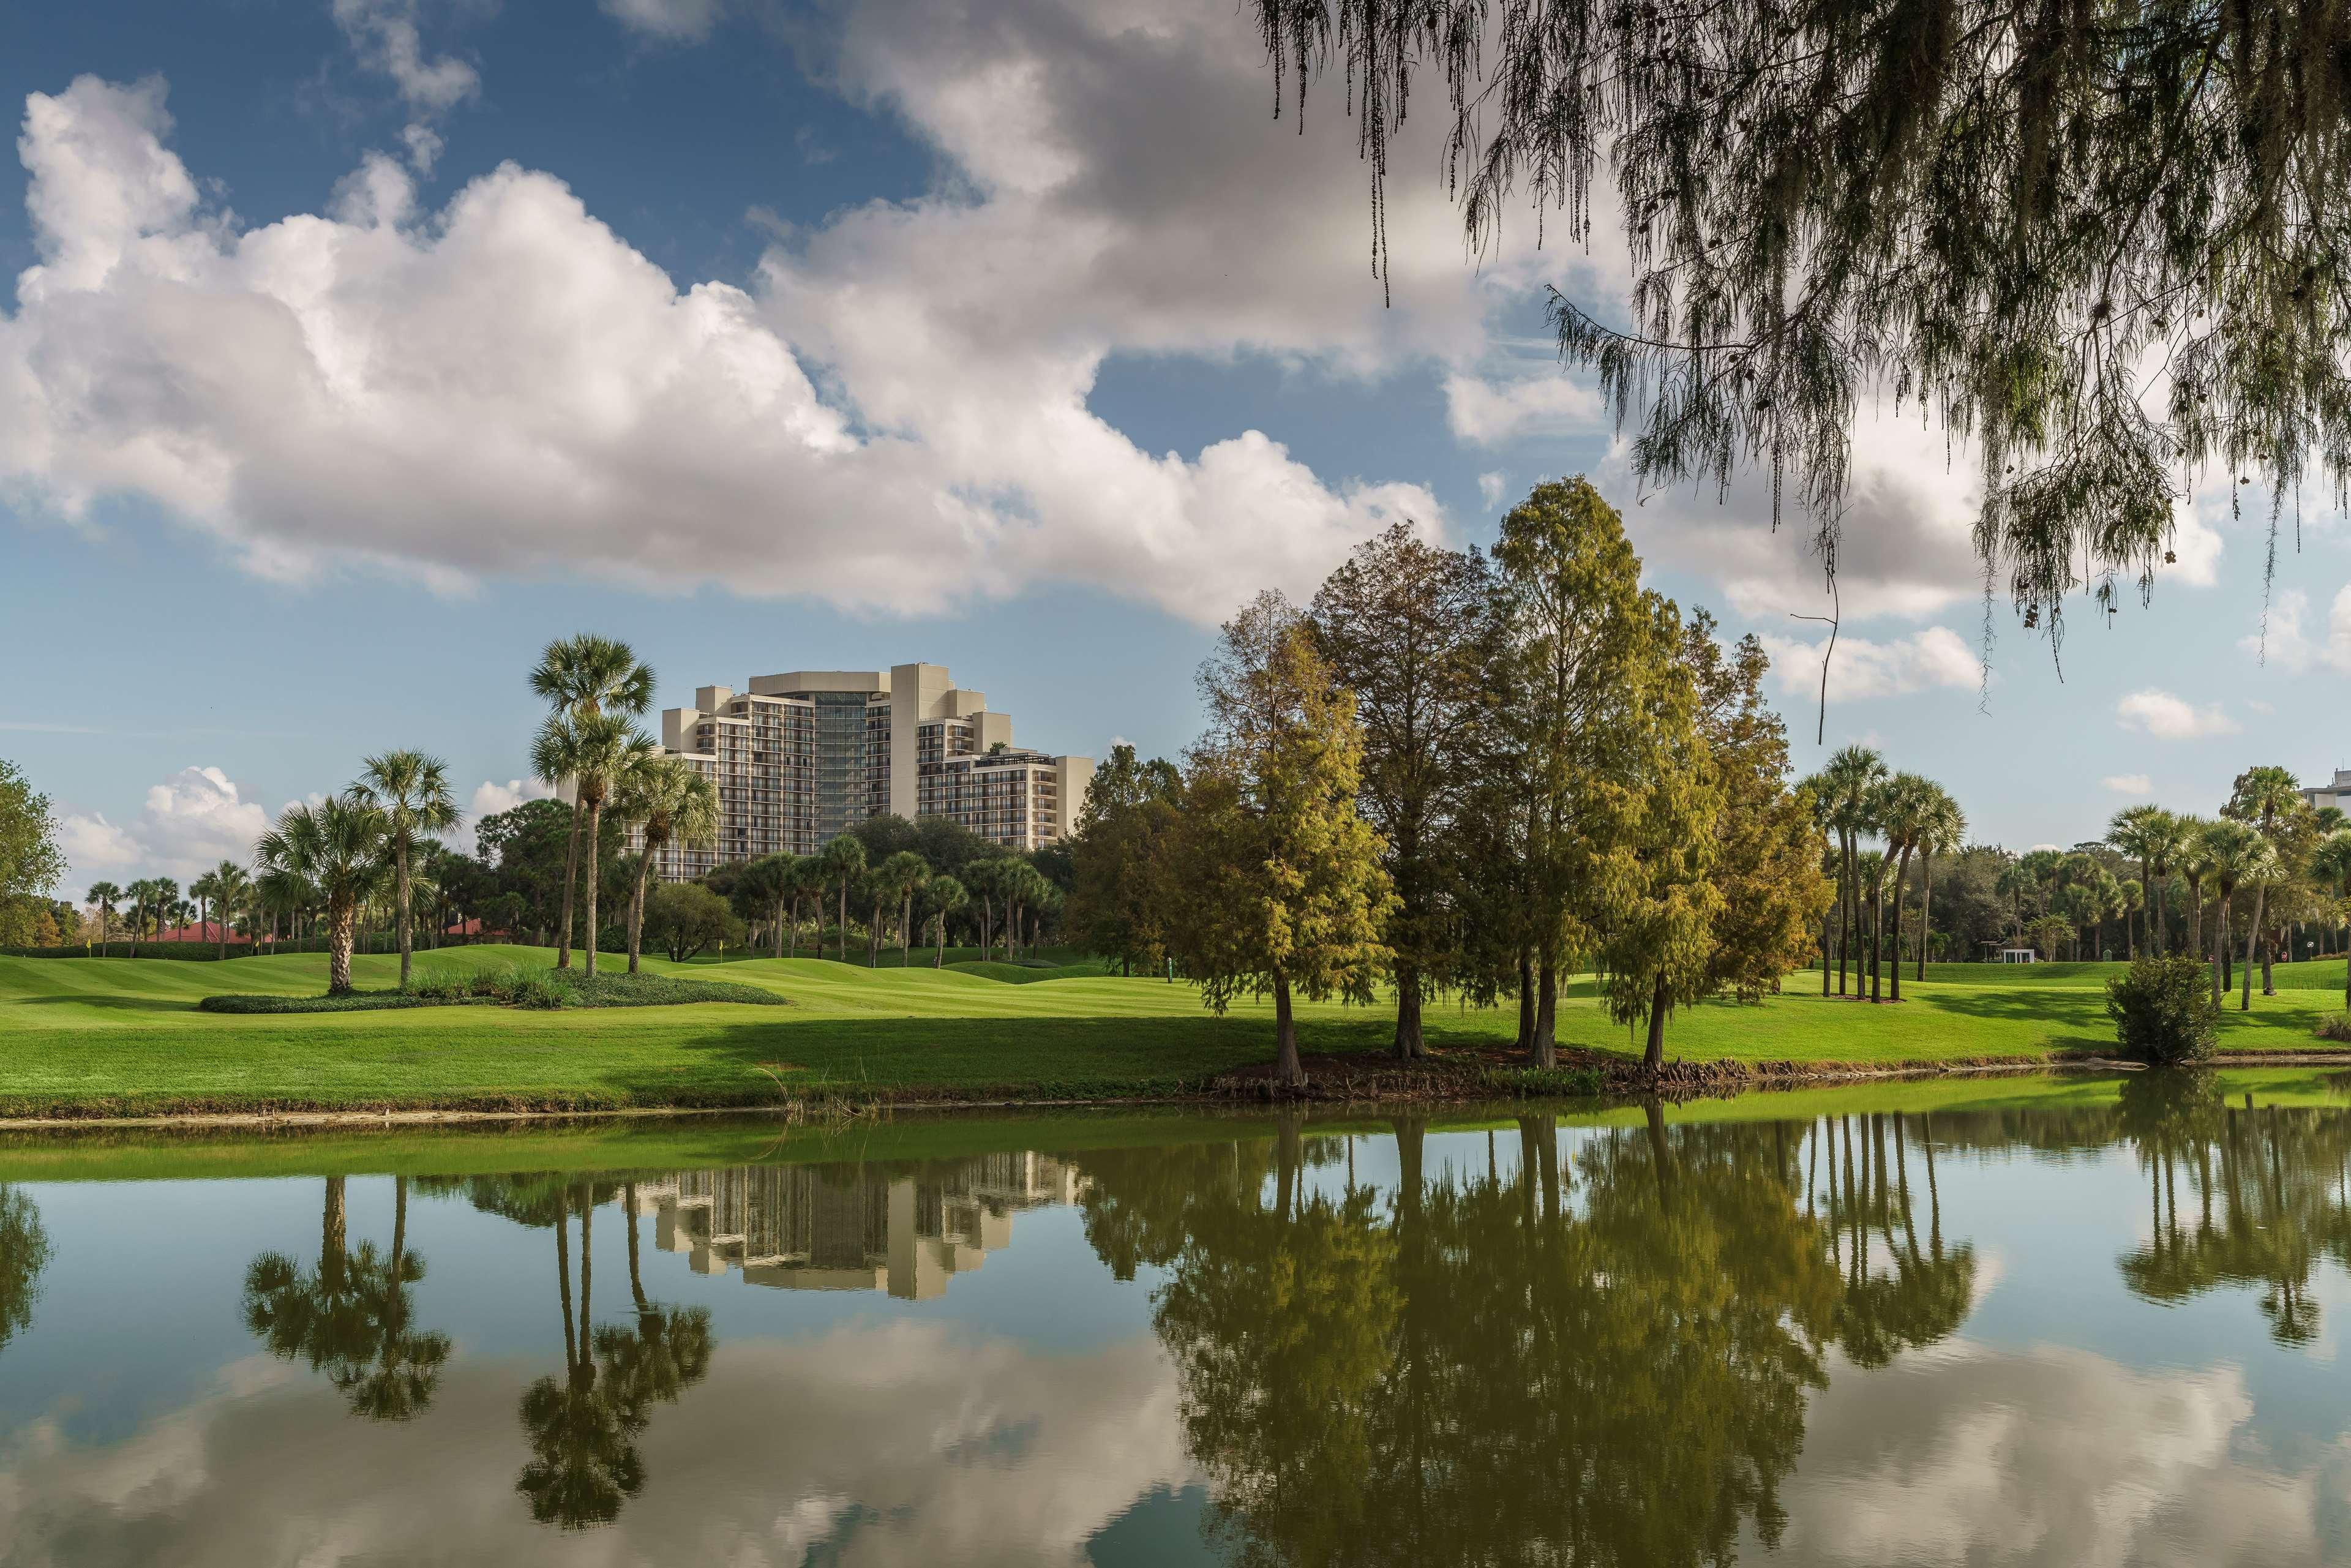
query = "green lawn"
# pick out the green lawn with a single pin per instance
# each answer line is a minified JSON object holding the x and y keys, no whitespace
{"x":121,"y":1035}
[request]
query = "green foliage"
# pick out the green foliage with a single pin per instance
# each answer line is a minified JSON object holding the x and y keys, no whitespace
{"x":1121,"y":898}
{"x":2164,"y":1011}
{"x":685,"y":918}
{"x":334,"y":1002}
{"x":30,"y":861}
{"x":2101,"y":240}
{"x":2336,"y":1026}
{"x":512,"y":984}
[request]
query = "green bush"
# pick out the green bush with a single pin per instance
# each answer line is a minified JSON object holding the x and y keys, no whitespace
{"x":2163,"y":1011}
{"x":2334,"y":1027}
{"x":349,"y":1002}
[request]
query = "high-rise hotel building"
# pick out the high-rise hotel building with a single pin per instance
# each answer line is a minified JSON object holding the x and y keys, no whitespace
{"x":802,"y":757}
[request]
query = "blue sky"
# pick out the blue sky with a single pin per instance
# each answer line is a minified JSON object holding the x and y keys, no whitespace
{"x":357,"y":347}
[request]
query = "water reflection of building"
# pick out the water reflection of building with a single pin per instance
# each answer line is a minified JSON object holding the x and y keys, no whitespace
{"x":852,"y":1228}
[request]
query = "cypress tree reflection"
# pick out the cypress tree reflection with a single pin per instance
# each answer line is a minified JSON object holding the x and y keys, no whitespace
{"x":351,"y":1316}
{"x":24,"y":1254}
{"x":1602,"y":1360}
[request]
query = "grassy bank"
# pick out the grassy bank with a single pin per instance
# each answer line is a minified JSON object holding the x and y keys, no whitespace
{"x":123,"y":1036}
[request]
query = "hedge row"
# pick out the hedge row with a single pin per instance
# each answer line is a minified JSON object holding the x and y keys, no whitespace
{"x":206,"y":952}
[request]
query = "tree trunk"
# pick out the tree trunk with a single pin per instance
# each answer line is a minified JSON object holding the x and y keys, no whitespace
{"x":595,"y":875}
{"x":342,"y":917}
{"x":1409,"y":1045}
{"x":1653,"y":1059}
{"x":1288,"y":1071}
{"x":571,"y":884}
{"x":1846,"y":888}
{"x":905,"y":928}
{"x":1546,"y":1052}
{"x":2256,"y":947}
{"x":1926,"y":909}
{"x":400,"y":891}
{"x":1828,"y":920}
{"x":844,"y":920}
{"x":2219,"y":950}
{"x":873,"y":937}
{"x":941,"y":961}
{"x":331,"y":1232}
{"x":1526,"y":1040}
{"x":1901,"y":903}
{"x":637,"y":909}
{"x":780,"y":925}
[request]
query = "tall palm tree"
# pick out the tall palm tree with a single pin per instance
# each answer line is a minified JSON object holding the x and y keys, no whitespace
{"x":165,"y":908}
{"x":1869,"y":871}
{"x":2137,"y":831}
{"x":338,"y":844}
{"x":2190,"y":859}
{"x":2266,"y":869}
{"x":945,"y":895}
{"x":1940,"y":832}
{"x":141,"y":893}
{"x":2166,"y":838}
{"x":231,"y":886}
{"x":2330,"y":868}
{"x":103,"y":897}
{"x":592,"y":752}
{"x":582,"y":679}
{"x":673,"y":801}
{"x":202,"y":889}
{"x":2232,"y":853}
{"x":2263,"y":796}
{"x":2133,"y":894}
{"x":412,"y":790}
{"x":905,"y":874}
{"x":1846,"y":786}
{"x":844,"y":862}
{"x":1904,"y":809}
{"x":806,"y":878}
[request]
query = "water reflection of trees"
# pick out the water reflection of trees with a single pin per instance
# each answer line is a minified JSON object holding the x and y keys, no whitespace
{"x":581,"y":1428}
{"x":351,"y":1317}
{"x":1598,"y":1359}
{"x":2269,"y":1194}
{"x":24,"y":1254}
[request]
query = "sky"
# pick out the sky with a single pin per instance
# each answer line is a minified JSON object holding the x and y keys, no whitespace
{"x":357,"y":348}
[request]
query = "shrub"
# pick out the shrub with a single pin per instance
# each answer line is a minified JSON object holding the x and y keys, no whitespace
{"x":2334,"y":1027}
{"x":349,"y":1002}
{"x":2163,"y":1011}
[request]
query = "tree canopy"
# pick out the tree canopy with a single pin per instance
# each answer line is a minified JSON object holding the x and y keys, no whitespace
{"x":2107,"y":241}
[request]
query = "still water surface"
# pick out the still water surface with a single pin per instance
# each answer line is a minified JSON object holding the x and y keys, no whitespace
{"x":2098,"y":1323}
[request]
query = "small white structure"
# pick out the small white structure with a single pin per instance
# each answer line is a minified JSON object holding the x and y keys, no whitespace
{"x":2017,"y":955}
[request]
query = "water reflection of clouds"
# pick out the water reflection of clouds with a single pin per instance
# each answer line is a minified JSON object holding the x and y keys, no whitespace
{"x":2053,"y":1457}
{"x":902,"y":1443}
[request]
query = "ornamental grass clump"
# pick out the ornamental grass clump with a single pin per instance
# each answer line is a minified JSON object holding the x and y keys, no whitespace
{"x":2164,"y":1011}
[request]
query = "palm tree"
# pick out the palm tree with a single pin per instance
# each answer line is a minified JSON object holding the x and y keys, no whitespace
{"x":582,"y":679}
{"x":231,"y":887}
{"x":163,"y":895}
{"x":905,"y":874}
{"x":591,"y":751}
{"x":203,"y":888}
{"x":807,"y":877}
{"x":2138,"y":833}
{"x":2133,"y":902}
{"x":946,"y":895}
{"x":2232,"y":854}
{"x":1869,"y":870}
{"x":2190,"y":859}
{"x":1845,"y":787}
{"x":140,"y":893}
{"x":674,"y":802}
{"x":2330,"y":868}
{"x":103,"y":897}
{"x":843,"y":861}
{"x":1941,"y":827}
{"x":338,"y":844}
{"x":412,"y":790}
{"x":1905,"y":808}
{"x":986,"y":877}
{"x":2266,"y":869}
{"x":2261,"y":796}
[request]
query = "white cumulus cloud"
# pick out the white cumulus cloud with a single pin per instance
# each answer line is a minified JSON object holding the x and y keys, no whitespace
{"x":1933,"y":657}
{"x":1489,"y":414}
{"x":503,"y":385}
{"x":383,"y":35}
{"x":2297,"y":644}
{"x":190,"y":823}
{"x":2169,"y":717}
{"x":2129,"y":783}
{"x":671,"y":21}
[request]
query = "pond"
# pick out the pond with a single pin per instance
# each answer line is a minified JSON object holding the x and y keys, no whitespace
{"x":2041,"y":1321}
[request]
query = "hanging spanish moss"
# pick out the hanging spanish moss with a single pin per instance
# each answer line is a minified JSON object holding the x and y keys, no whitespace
{"x":2107,"y":240}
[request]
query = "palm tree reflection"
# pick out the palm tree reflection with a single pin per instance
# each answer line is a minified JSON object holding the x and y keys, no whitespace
{"x":24,"y":1254}
{"x":351,"y":1317}
{"x":581,"y":1428}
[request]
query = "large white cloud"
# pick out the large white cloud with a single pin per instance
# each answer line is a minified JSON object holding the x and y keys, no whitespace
{"x":902,"y":1444}
{"x":504,"y":385}
{"x":190,"y":823}
{"x":2295,"y":643}
{"x":2168,"y":716}
{"x":1934,"y":657}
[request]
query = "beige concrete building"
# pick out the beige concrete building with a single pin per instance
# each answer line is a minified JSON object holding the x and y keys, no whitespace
{"x":851,"y":1227}
{"x":802,"y":757}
